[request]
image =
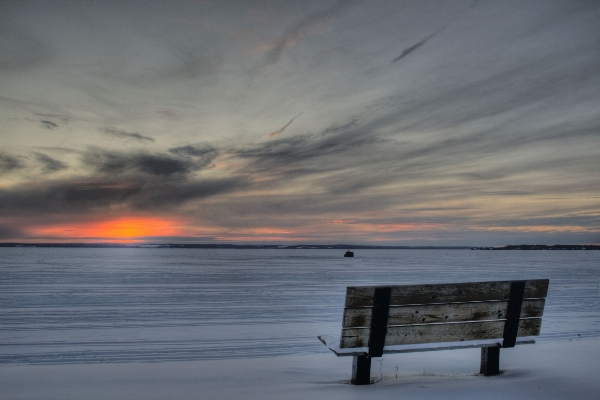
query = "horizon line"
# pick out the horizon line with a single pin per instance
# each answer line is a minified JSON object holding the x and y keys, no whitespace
{"x":299,"y":246}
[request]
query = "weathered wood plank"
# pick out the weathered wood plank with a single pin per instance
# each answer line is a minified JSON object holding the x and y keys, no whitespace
{"x":435,"y":313}
{"x":439,"y":333}
{"x":362,"y":296}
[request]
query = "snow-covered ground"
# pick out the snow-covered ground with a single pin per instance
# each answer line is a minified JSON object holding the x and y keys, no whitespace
{"x":167,"y":323}
{"x":550,"y":370}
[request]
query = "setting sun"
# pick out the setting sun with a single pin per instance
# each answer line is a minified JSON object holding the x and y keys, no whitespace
{"x":117,"y":230}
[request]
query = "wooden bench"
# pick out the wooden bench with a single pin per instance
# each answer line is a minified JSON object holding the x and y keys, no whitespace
{"x":396,"y":319}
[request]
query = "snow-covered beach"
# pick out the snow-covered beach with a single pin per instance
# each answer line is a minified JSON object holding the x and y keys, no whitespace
{"x":550,"y":370}
{"x":165,"y":323}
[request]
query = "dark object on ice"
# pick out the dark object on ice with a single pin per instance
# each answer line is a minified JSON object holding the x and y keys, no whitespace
{"x":489,"y":315}
{"x":349,"y":254}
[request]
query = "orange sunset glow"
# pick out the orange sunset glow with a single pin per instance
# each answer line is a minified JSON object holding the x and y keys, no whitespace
{"x":122,"y":230}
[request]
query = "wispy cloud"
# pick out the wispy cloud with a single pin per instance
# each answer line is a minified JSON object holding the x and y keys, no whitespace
{"x":297,"y":32}
{"x":280,"y":130}
{"x":121,"y":181}
{"x":202,"y":153}
{"x":120,"y":134}
{"x":63,"y":118}
{"x":48,"y":124}
{"x":112,"y":162}
{"x":412,"y":48}
{"x":9,"y":163}
{"x":49,"y":164}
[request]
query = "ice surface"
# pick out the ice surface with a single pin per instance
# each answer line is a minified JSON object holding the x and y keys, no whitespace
{"x":243,"y":324}
{"x":121,"y":305}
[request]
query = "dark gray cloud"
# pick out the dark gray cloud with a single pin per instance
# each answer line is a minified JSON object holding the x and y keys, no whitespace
{"x":197,"y":150}
{"x":285,"y":153}
{"x":63,"y":118}
{"x":9,"y":163}
{"x":112,"y":162}
{"x":103,"y":195}
{"x":171,"y":194}
{"x":49,"y":164}
{"x":201,"y":155}
{"x":345,"y":153}
{"x":128,"y":181}
{"x":412,"y":48}
{"x":120,"y":134}
{"x":415,"y":46}
{"x":48,"y":124}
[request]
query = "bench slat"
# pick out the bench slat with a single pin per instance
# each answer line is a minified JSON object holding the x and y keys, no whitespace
{"x":435,"y":313}
{"x":362,"y":296}
{"x":426,"y":333}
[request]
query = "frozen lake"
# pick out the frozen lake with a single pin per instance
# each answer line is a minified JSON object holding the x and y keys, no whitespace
{"x":60,"y":305}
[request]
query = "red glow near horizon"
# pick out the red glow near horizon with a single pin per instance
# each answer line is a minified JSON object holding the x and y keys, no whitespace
{"x":122,"y":230}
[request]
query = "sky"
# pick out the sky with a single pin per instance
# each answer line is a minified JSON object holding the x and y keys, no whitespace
{"x":376,"y":122}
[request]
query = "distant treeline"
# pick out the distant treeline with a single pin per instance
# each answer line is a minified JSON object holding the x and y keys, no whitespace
{"x":542,"y":247}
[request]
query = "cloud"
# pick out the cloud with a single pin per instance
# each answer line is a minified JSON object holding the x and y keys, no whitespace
{"x":118,"y":181}
{"x":280,"y":130}
{"x":49,"y":164}
{"x":179,"y":161}
{"x":415,"y":46}
{"x":193,"y":150}
{"x":300,"y":30}
{"x":9,"y":163}
{"x":62,"y":118}
{"x":48,"y":124}
{"x":412,"y":48}
{"x":335,"y":140}
{"x":119,"y":134}
{"x":112,"y":162}
{"x":110,"y":195}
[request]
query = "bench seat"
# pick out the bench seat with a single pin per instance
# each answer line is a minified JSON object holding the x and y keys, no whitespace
{"x":333,"y":344}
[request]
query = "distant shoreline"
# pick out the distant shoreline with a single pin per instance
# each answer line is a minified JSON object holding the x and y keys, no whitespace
{"x":542,"y":247}
{"x":300,"y":247}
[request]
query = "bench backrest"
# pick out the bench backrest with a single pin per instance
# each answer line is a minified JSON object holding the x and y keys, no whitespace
{"x":375,"y":316}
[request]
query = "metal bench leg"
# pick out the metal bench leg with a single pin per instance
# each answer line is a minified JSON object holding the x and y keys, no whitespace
{"x":361,"y":370}
{"x":490,"y":361}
